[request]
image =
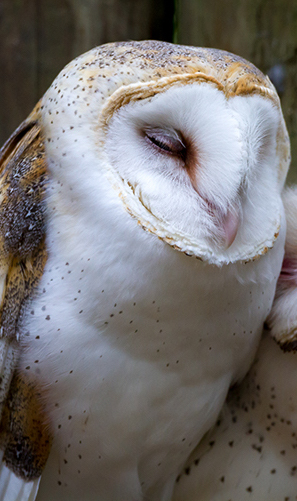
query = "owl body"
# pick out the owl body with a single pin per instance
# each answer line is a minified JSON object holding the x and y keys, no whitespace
{"x":135,"y":360}
{"x":165,"y":236}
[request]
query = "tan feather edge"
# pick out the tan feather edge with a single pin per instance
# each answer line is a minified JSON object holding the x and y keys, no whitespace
{"x":23,"y":436}
{"x":143,"y":90}
{"x":287,"y":340}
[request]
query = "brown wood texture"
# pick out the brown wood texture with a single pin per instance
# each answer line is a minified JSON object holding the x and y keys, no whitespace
{"x":38,"y":37}
{"x":262,"y":31}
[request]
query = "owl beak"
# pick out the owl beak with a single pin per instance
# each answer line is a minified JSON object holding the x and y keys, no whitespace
{"x":228,"y":222}
{"x":230,"y":225}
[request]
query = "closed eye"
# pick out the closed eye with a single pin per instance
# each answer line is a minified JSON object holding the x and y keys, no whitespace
{"x":165,"y":142}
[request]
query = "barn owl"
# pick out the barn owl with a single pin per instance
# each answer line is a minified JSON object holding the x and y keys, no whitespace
{"x":142,"y":234}
{"x":250,"y":454}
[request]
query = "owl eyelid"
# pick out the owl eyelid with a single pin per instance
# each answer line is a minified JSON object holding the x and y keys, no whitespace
{"x":166,"y":142}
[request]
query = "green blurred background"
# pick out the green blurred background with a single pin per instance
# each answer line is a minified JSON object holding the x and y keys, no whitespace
{"x":38,"y":37}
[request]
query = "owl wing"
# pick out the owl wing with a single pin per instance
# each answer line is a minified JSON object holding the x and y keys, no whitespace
{"x":24,"y":445}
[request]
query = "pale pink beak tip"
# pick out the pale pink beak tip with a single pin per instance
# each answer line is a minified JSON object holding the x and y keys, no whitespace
{"x":230,"y":227}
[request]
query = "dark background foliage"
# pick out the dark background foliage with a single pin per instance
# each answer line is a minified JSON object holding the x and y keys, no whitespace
{"x":38,"y":37}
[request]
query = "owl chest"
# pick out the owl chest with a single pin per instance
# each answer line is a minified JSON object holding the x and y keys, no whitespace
{"x":135,"y":380}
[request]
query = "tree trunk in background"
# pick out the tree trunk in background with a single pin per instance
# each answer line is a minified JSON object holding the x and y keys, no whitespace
{"x":38,"y":37}
{"x":262,"y":31}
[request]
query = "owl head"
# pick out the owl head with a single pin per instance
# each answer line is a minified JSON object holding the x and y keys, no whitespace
{"x":192,"y":140}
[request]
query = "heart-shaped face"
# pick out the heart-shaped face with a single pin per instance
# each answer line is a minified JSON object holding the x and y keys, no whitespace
{"x":193,"y":140}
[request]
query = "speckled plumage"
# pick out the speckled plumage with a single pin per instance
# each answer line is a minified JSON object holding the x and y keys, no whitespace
{"x":129,"y":365}
{"x":251,"y":452}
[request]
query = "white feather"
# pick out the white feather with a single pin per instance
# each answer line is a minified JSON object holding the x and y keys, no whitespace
{"x":13,"y":488}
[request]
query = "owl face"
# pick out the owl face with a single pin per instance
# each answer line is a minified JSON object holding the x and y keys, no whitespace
{"x":197,"y":151}
{"x":202,"y":167}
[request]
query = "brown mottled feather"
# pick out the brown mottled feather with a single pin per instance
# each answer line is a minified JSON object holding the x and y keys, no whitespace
{"x":27,"y":442}
{"x":23,"y":177}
